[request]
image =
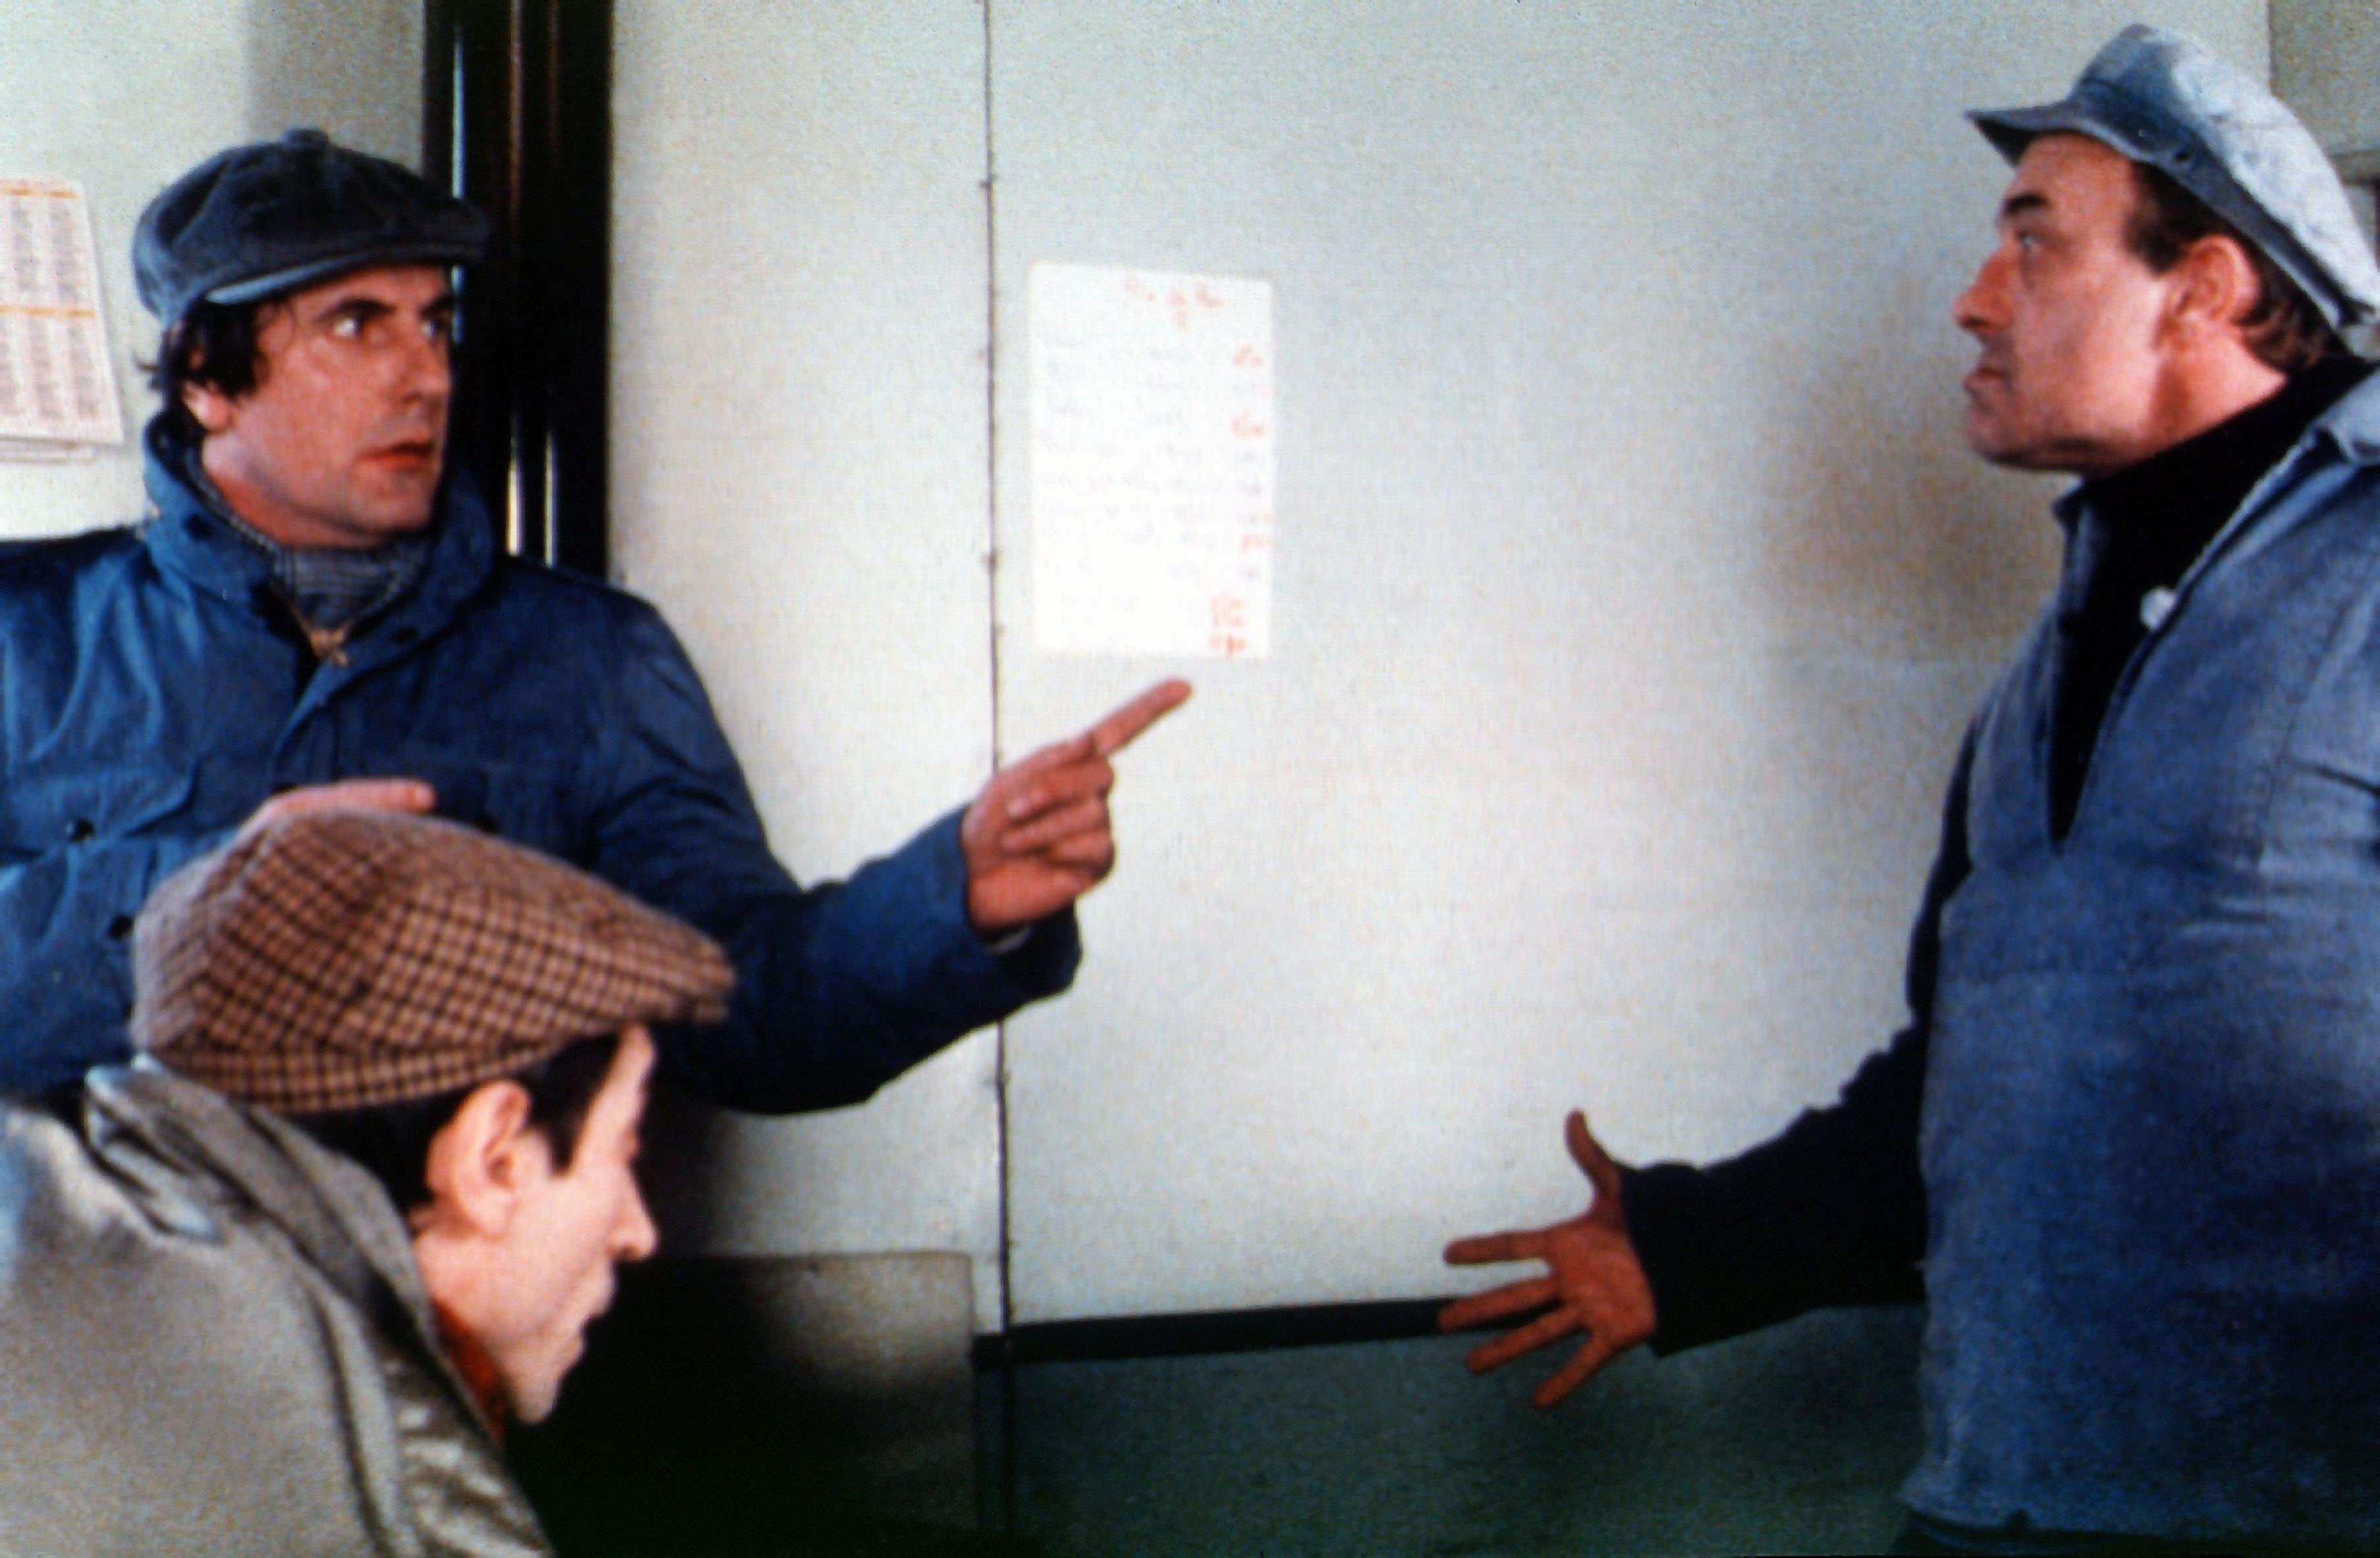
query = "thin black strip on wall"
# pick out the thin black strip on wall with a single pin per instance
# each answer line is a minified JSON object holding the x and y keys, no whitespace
{"x":1221,"y":1330}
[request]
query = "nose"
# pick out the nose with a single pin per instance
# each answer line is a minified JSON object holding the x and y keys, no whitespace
{"x":636,"y":1237}
{"x":430,"y":367}
{"x":1983,"y":307}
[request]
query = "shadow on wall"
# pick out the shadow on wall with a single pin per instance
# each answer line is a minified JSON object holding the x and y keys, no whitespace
{"x":777,"y":1405}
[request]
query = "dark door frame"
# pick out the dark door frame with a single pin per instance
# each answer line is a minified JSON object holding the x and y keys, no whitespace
{"x":517,"y":119}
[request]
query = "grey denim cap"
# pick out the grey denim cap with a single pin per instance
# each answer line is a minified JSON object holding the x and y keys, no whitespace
{"x":261,"y":220}
{"x":2161,"y":99}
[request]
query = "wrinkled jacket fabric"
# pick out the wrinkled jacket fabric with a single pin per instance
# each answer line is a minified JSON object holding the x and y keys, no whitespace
{"x":2142,"y":1081}
{"x":154,"y":693}
{"x":214,"y":1339}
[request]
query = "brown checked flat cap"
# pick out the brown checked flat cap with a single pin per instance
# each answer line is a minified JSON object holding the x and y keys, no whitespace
{"x":342,"y":959}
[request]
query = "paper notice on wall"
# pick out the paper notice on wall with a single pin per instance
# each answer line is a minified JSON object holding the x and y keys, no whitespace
{"x":56,"y":387}
{"x":1152,"y":462}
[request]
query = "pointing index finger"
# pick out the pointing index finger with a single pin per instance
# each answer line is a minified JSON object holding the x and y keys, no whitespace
{"x":1116,"y":732}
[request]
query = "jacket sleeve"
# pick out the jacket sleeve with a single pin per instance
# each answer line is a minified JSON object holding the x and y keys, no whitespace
{"x":840,"y":987}
{"x":1832,"y":1211}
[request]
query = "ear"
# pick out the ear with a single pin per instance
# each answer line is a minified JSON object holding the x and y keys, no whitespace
{"x":2217,"y":284}
{"x":210,"y":406}
{"x":480,"y":1162}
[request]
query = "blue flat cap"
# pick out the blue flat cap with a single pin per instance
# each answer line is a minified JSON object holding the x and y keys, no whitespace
{"x":2161,"y":99}
{"x":258,"y":221}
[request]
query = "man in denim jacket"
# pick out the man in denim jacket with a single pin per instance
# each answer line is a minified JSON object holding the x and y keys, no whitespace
{"x":2129,"y":1147}
{"x":316,"y":600}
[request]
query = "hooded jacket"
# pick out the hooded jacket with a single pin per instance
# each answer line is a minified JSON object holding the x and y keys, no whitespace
{"x":214,"y":1339}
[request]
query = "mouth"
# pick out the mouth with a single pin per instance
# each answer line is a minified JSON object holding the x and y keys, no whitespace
{"x":411,"y":451}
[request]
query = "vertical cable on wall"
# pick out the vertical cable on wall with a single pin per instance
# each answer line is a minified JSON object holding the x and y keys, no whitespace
{"x":1008,"y":1449}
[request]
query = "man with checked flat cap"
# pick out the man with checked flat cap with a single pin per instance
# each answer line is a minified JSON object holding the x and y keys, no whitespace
{"x":315,"y":600}
{"x":2128,"y":1148}
{"x":277,"y":1285}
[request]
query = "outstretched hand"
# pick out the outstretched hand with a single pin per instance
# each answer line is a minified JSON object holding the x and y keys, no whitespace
{"x":1596,"y":1283}
{"x":1038,"y":837}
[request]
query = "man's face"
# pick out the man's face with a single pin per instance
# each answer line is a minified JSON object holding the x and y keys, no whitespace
{"x":2072,"y":323}
{"x":569,"y":1230}
{"x":341,"y":442}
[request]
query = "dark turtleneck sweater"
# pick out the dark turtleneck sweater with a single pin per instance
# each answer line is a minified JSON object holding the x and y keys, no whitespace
{"x":2154,"y":520}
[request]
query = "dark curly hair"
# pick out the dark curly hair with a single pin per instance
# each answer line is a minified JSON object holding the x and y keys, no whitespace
{"x":212,"y":345}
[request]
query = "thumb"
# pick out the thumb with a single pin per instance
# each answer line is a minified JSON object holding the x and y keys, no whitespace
{"x":345,"y":795}
{"x":1596,"y":1164}
{"x":362,"y":795}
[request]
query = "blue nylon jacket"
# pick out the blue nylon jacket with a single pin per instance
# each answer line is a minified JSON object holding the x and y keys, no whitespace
{"x":153,"y":694}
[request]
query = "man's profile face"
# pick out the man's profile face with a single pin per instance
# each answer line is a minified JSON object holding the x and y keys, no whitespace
{"x":2072,"y":323}
{"x":570,"y":1229}
{"x":342,"y":440}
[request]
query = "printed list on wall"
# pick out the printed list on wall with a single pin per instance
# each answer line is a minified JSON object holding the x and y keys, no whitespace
{"x":1152,"y":462}
{"x":58,"y":392}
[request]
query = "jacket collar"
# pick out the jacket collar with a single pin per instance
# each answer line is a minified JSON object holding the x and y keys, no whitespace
{"x":197,"y":1156}
{"x":196,"y":1159}
{"x":2354,"y":423}
{"x":190,"y":542}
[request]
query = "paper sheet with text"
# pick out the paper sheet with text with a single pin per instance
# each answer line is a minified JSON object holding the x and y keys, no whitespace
{"x":1152,"y":450}
{"x":57,"y":389}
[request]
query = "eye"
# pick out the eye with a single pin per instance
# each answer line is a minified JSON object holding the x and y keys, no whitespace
{"x":347,"y":327}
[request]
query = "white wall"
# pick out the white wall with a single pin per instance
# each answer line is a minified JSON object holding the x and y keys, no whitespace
{"x":799,"y":478}
{"x":123,"y":95}
{"x":2327,"y":62}
{"x":1633,"y":585}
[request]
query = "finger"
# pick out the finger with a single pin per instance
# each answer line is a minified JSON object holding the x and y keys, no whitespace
{"x":1082,"y":817}
{"x":1499,"y":1303}
{"x":1075,"y":748}
{"x":1512,"y":1344}
{"x":1583,"y":1365}
{"x":1090,"y":856}
{"x":351,"y":795}
{"x":1116,"y":732}
{"x":1596,"y":1163}
{"x":1058,"y":786}
{"x":1480,"y":1249}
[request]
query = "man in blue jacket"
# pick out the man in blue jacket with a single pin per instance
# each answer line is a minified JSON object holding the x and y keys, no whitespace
{"x":315,"y":610}
{"x":2127,"y":1148}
